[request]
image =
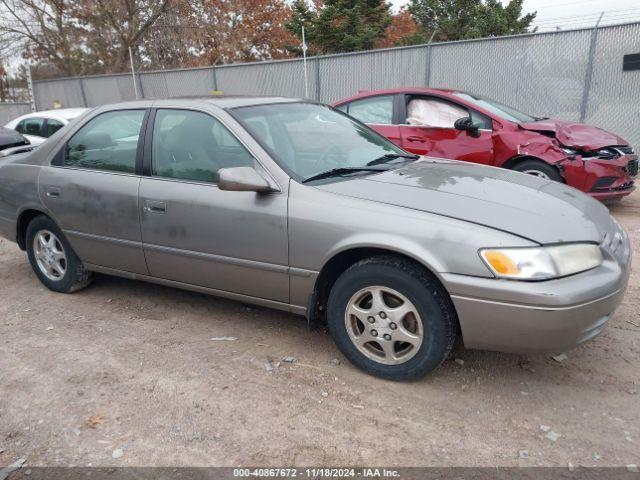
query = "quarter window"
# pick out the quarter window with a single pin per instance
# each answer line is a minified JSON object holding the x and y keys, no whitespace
{"x":107,"y":142}
{"x":191,"y":145}
{"x":31,"y":126}
{"x":374,"y":110}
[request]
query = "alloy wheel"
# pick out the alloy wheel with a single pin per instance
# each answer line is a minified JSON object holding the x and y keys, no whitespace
{"x":384,"y":325}
{"x":536,"y":173}
{"x":50,"y":255}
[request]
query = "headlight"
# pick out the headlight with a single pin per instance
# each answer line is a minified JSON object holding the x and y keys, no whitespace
{"x":569,"y":151}
{"x":542,"y":263}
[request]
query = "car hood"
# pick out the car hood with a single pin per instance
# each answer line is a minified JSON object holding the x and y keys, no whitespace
{"x":533,"y":208}
{"x":576,"y":135}
{"x":11,"y":138}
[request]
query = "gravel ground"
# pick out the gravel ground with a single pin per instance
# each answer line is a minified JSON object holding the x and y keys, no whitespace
{"x":131,"y":368}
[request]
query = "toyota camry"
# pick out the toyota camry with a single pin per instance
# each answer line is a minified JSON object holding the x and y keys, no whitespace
{"x":293,"y":205}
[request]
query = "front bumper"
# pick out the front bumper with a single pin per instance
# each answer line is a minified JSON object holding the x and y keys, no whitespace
{"x":600,"y":178}
{"x":536,"y":317}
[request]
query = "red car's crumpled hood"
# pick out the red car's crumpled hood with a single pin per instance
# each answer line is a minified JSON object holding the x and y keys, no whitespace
{"x":576,"y":135}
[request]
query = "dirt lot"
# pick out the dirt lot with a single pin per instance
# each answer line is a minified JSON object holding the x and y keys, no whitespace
{"x":131,"y":366}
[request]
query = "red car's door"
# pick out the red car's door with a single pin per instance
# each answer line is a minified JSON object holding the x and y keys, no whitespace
{"x":428,"y":130}
{"x":377,"y":112}
{"x":392,"y":132}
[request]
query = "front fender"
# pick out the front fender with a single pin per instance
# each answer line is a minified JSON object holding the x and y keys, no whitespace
{"x":386,"y":241}
{"x":512,"y":145}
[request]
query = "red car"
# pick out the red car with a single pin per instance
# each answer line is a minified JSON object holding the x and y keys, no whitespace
{"x":458,"y":125}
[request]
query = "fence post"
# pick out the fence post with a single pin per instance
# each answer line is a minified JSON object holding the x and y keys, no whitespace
{"x":83,"y":94}
{"x":427,"y":67}
{"x":588,"y":75}
{"x":32,"y":95}
{"x":317,"y":78}
{"x":140,"y":87}
{"x":215,"y":78}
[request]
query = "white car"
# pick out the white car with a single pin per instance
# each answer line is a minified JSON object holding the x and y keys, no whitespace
{"x":38,"y":126}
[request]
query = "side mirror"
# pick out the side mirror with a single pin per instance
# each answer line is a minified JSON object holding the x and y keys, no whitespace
{"x":465,"y":124}
{"x":242,"y":179}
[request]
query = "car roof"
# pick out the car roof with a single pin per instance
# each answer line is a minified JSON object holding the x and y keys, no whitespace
{"x":393,"y":91}
{"x":220,"y":101}
{"x":64,"y":113}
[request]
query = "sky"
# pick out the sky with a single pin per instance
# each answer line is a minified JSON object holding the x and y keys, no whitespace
{"x":568,"y":14}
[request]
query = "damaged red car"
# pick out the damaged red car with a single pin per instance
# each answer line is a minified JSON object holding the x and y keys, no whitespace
{"x":458,"y":125}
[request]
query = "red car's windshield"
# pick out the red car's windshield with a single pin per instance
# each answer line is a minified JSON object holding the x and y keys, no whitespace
{"x":498,"y":108}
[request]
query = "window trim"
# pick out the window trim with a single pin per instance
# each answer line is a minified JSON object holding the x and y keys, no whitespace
{"x":147,"y":156}
{"x":58,"y":159}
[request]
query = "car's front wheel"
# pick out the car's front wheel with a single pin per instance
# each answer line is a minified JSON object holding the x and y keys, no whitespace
{"x":391,"y":318}
{"x":538,"y":168}
{"x":52,"y":258}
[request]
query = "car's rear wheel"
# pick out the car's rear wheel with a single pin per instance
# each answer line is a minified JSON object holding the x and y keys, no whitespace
{"x":391,"y":318}
{"x":538,"y":168}
{"x":53,"y":260}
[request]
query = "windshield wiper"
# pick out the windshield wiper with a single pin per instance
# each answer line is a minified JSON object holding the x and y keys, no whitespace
{"x":386,"y":158}
{"x":336,"y":172}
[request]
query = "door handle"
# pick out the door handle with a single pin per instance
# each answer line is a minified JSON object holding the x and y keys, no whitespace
{"x":52,"y":192}
{"x":414,"y":138}
{"x":153,"y":206}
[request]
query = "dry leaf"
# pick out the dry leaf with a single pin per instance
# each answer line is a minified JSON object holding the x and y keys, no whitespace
{"x":95,"y":420}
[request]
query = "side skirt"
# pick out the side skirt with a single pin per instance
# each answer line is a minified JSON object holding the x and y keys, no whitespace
{"x":296,"y":309}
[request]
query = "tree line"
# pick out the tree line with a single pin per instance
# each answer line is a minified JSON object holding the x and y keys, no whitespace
{"x":82,"y":37}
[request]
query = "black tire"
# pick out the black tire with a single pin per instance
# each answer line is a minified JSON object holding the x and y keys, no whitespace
{"x":544,"y":169}
{"x":420,"y":287}
{"x":75,"y":275}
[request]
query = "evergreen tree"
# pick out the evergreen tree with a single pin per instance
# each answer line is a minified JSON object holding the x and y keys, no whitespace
{"x":340,"y":25}
{"x":465,"y":19}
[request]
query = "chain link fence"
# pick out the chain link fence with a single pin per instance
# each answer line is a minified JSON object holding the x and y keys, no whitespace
{"x":11,"y":110}
{"x":573,"y":75}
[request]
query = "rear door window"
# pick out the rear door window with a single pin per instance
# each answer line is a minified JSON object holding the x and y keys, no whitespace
{"x":373,"y":110}
{"x":107,"y":142}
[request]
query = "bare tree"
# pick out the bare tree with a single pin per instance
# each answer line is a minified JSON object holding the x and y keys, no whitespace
{"x":205,"y":32}
{"x":76,"y":37}
{"x":42,"y":30}
{"x":117,"y":25}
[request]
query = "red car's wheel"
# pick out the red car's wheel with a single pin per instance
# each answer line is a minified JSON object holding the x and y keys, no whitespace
{"x":539,"y":169}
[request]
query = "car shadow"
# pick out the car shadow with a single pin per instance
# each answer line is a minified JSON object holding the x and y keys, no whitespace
{"x":287,"y":334}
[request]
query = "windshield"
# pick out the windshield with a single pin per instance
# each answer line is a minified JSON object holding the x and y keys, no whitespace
{"x":498,"y":108}
{"x":309,"y":139}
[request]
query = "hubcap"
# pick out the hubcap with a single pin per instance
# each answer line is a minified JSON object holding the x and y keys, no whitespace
{"x":536,"y":173}
{"x":395,"y":334}
{"x":50,"y":255}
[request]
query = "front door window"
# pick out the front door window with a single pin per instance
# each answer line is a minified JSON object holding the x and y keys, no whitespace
{"x":192,"y":145}
{"x":429,"y":112}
